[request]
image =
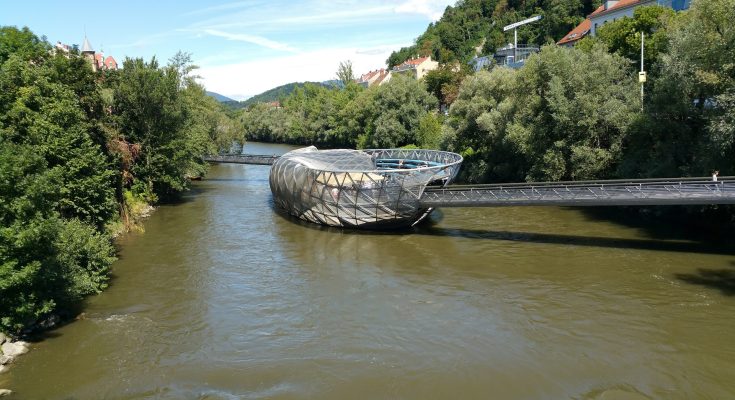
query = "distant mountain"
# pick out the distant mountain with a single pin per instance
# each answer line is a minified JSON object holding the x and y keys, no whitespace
{"x":278,"y":93}
{"x":220,"y":98}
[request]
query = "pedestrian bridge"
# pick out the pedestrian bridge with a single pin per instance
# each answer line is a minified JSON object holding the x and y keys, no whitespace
{"x":621,"y":192}
{"x":630,"y":192}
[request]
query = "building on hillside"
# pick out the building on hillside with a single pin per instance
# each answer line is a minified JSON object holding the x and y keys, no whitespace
{"x":62,"y":47}
{"x":416,"y":68}
{"x":612,"y":10}
{"x":576,"y":34}
{"x":506,"y":56}
{"x":97,"y":60}
{"x":514,"y":57}
{"x":372,"y":78}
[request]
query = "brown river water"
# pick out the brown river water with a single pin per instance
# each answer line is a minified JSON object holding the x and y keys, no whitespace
{"x":223,"y":298}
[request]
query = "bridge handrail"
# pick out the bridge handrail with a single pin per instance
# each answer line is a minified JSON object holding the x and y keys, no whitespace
{"x":596,"y":183}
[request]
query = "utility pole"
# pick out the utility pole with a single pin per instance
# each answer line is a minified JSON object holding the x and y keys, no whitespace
{"x":642,"y":74}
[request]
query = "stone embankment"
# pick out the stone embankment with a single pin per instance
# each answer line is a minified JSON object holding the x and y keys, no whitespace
{"x":9,"y":351}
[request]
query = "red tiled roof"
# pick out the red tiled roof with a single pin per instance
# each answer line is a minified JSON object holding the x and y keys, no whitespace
{"x":577,"y":33}
{"x":619,"y":4}
{"x":366,"y":77}
{"x":583,"y":28}
{"x":415,"y":61}
{"x":381,"y":77}
{"x":109,"y":60}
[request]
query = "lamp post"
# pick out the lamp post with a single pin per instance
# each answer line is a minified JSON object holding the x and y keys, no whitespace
{"x":642,"y":74}
{"x":515,"y":26}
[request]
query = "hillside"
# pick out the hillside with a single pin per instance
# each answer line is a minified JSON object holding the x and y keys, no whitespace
{"x":219,"y":97}
{"x":479,"y":23}
{"x":276,"y":94}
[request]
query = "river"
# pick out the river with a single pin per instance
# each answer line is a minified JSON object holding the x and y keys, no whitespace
{"x":223,"y":298}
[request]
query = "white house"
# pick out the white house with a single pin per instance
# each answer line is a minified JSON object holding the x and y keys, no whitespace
{"x":417,"y":68}
{"x":372,"y":78}
{"x":613,"y":10}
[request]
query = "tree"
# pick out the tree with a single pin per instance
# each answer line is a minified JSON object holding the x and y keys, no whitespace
{"x":184,"y":65}
{"x":478,"y":128}
{"x":397,"y":108}
{"x":56,"y":191}
{"x":623,"y":36}
{"x":344,"y":72}
{"x":39,"y":110}
{"x":564,"y":115}
{"x":23,"y":43}
{"x":577,"y":109}
{"x":688,"y":124}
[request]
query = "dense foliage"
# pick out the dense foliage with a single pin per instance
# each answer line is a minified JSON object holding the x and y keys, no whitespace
{"x":389,"y":115}
{"x":76,"y":148}
{"x":476,"y":27}
{"x":561,"y":117}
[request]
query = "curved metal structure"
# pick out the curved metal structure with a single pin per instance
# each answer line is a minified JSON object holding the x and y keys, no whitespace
{"x":359,"y":188}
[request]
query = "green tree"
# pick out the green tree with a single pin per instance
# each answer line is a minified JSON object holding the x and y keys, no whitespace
{"x":344,"y":72}
{"x":22,"y":43}
{"x":578,"y":106}
{"x":564,"y":115}
{"x":39,"y":110}
{"x":686,"y":129}
{"x":429,"y":132}
{"x":478,"y":128}
{"x":623,"y":36}
{"x":397,"y":108}
{"x":150,"y":112}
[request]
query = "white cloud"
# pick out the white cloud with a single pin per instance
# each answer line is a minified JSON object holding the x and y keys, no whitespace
{"x":294,"y":18}
{"x":432,"y":9}
{"x":242,"y":80}
{"x":254,"y":39}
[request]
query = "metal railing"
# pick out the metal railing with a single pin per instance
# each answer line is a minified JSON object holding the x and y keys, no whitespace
{"x":256,"y":159}
{"x":586,"y":193}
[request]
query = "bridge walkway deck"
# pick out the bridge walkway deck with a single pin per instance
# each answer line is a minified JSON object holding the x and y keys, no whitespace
{"x":585,"y":193}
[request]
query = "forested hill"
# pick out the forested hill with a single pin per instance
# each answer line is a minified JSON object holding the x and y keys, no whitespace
{"x":275,"y":94}
{"x":219,"y":97}
{"x":474,"y":23}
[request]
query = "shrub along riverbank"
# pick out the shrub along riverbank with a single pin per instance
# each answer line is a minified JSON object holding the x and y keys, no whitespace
{"x":83,"y":155}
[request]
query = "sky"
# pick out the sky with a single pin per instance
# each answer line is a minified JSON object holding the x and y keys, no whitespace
{"x":242,"y":47}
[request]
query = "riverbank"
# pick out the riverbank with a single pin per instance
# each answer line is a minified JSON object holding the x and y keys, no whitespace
{"x":12,"y":347}
{"x":9,"y":351}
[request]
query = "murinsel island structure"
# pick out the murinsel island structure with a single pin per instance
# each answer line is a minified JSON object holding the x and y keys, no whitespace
{"x":394,"y":188}
{"x":354,"y":188}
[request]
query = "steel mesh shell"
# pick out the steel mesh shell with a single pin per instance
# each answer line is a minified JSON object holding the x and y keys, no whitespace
{"x":353,"y":188}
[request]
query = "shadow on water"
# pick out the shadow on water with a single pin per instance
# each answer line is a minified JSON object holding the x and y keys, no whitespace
{"x":709,"y":224}
{"x":430,"y":227}
{"x":720,"y":279}
{"x":576,"y":240}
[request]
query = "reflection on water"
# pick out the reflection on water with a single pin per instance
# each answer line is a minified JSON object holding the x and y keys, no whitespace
{"x":224,"y":298}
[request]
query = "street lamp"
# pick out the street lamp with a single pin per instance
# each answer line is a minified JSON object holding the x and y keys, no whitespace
{"x":515,"y":26}
{"x":642,"y":74}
